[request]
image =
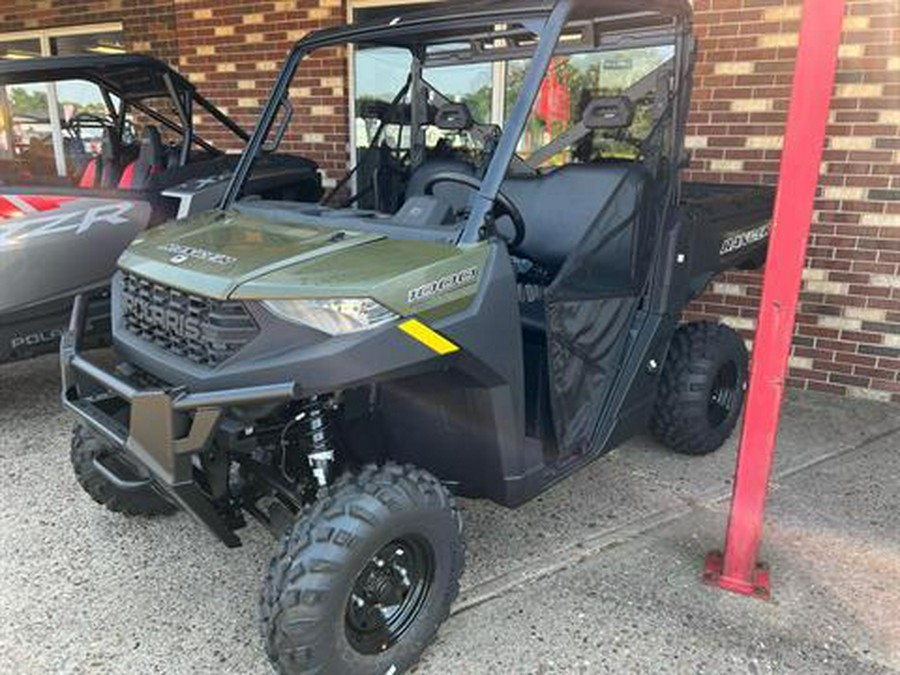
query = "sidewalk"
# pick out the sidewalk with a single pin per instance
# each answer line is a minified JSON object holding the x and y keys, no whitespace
{"x":636,"y":606}
{"x":601,"y":574}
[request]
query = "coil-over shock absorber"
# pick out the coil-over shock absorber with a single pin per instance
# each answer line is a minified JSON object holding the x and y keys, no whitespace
{"x":316,"y":429}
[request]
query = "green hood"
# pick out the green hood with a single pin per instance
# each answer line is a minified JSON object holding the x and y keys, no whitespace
{"x":215,"y":253}
{"x":234,"y":256}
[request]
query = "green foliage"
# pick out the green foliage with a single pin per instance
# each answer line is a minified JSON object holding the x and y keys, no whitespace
{"x":25,"y":102}
{"x":94,"y":108}
{"x":33,"y":103}
{"x":479,"y":103}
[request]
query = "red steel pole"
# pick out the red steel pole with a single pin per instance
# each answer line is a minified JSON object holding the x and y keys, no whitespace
{"x":738,"y":570}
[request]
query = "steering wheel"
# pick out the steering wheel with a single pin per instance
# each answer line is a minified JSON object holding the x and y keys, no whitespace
{"x":503,"y":206}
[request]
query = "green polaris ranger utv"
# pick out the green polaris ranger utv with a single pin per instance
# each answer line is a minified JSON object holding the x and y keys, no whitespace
{"x":489,"y":301}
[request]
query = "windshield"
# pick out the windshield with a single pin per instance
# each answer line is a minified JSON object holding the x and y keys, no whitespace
{"x":512,"y":99}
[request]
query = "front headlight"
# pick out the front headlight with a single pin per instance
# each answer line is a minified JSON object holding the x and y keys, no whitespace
{"x":338,"y":316}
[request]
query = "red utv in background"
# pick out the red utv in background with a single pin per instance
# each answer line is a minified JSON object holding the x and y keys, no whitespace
{"x":93,"y":151}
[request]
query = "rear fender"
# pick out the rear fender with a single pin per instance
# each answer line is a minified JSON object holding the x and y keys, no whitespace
{"x":199,"y":194}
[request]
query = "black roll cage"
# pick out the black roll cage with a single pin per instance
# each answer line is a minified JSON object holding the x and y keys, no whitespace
{"x":183,"y":100}
{"x":113,"y":74}
{"x":548,"y":21}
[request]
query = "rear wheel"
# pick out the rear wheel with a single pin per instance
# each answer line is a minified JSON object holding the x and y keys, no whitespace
{"x":87,"y":451}
{"x":365,"y":578}
{"x":701,"y":390}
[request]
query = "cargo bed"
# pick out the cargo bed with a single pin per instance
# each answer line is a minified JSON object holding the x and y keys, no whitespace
{"x":729,"y":228}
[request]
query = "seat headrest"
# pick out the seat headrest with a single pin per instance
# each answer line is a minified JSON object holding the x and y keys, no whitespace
{"x":152,"y":151}
{"x":454,"y":117}
{"x":110,"y":158}
{"x":151,"y":160}
{"x":110,"y":146}
{"x":609,"y":112}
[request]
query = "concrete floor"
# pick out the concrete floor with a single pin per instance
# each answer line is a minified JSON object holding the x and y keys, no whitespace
{"x":598,"y":575}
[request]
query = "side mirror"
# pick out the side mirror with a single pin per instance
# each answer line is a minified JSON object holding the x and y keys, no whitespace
{"x":687,"y":156}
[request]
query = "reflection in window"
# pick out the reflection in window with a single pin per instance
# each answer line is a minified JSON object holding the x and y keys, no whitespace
{"x":380,"y":75}
{"x":470,"y":84}
{"x":91,"y":43}
{"x":29,"y":139}
{"x":30,"y":144}
{"x":570,"y":86}
{"x":14,"y":50}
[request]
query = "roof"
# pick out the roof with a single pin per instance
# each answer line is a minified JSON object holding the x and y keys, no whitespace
{"x":128,"y":76}
{"x":457,"y":18}
{"x":581,"y":9}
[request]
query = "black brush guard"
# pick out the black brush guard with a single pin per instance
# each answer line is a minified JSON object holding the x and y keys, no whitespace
{"x":167,"y":428}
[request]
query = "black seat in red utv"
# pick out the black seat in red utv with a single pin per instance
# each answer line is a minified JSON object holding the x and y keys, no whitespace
{"x":104,"y":170}
{"x":112,"y":160}
{"x":151,"y":160}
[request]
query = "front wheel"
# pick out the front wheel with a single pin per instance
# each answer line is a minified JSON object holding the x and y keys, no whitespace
{"x":701,"y":390}
{"x":366,"y":576}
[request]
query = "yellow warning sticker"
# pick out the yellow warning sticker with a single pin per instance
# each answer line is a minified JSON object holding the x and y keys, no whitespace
{"x":431,"y":339}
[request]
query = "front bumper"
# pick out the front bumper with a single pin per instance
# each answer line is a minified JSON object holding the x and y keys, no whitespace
{"x":168,"y":428}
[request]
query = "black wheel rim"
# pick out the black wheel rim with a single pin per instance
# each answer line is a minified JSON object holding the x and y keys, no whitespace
{"x":388,"y":595}
{"x":723,"y":395}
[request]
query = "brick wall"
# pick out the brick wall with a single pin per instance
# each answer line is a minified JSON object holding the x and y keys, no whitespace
{"x":848,"y":336}
{"x":148,"y":25}
{"x":232,"y":50}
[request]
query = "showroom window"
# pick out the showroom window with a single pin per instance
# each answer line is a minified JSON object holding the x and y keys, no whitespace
{"x":571,"y":84}
{"x":491,"y":89}
{"x":33,"y":117}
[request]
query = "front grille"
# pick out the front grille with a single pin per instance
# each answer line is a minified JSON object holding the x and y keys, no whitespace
{"x":205,"y":331}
